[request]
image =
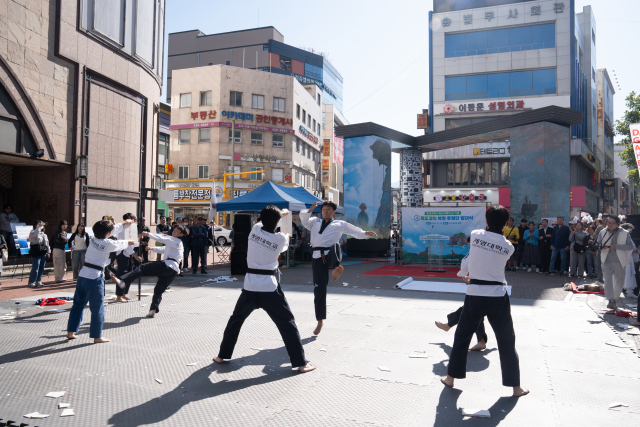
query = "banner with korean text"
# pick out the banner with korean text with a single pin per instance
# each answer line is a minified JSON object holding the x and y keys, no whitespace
{"x":421,"y":226}
{"x":634,"y":129}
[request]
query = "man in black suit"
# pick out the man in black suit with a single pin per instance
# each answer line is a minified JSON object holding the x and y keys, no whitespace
{"x":545,"y":245}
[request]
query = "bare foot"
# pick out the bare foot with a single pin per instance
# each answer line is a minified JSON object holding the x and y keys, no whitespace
{"x":520,"y":391}
{"x":479,"y":347}
{"x":99,"y":340}
{"x":126,"y":298}
{"x":448,"y":381}
{"x":152,"y":313}
{"x":121,"y":299}
{"x":337,"y":272}
{"x":306,"y":368}
{"x":318,"y":328}
{"x":445,"y":327}
{"x":218,"y":360}
{"x":71,"y":336}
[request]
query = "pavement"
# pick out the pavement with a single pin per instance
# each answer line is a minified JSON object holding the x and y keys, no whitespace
{"x":146,"y":375}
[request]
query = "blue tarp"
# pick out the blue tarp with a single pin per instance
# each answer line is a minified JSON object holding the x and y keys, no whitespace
{"x":284,"y":197}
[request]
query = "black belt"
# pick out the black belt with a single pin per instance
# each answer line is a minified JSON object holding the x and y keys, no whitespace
{"x":322,"y":249}
{"x":482,"y":282}
{"x":262,"y":272}
{"x":95,"y":267}
{"x":171,"y":259}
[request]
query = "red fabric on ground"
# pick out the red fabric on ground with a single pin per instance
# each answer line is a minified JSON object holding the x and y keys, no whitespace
{"x":53,"y":301}
{"x":623,"y":313}
{"x":412,"y":271}
{"x":575,"y":289}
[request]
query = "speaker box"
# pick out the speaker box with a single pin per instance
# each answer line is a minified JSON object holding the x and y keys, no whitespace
{"x":242,"y":229}
{"x":238,"y":262}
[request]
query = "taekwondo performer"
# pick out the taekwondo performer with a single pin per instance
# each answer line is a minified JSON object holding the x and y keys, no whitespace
{"x":483,"y":270}
{"x":325,"y":235}
{"x":262,"y":290}
{"x":454,"y":318}
{"x":124,"y":260}
{"x":165,"y":270}
{"x":90,"y":285}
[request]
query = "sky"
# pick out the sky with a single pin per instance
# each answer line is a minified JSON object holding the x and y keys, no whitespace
{"x":381,"y":48}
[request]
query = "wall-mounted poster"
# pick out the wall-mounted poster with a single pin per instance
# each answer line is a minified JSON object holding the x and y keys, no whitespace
{"x":21,"y":236}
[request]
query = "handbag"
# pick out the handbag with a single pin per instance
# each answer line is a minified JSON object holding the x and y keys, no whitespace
{"x":5,"y":255}
{"x":37,"y":249}
{"x":578,"y":248}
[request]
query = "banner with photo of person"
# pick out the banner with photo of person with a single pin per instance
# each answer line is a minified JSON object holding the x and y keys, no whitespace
{"x":449,"y":225}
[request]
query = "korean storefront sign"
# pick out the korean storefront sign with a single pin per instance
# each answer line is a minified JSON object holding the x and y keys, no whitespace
{"x":237,"y":115}
{"x":634,"y":129}
{"x":325,"y":164}
{"x":311,"y":137}
{"x":326,"y":148}
{"x":192,"y":195}
{"x":460,"y":197}
{"x":203,"y":115}
{"x":273,"y":120}
{"x":494,"y":151}
{"x":422,"y":121}
{"x":483,"y":107}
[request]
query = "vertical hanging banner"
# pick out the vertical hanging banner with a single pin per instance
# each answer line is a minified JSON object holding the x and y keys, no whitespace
{"x":634,"y":129}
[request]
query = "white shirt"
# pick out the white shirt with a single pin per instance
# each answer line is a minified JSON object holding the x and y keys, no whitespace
{"x":488,"y":254}
{"x":262,"y":254}
{"x":37,"y":237}
{"x":98,"y":254}
{"x":331,"y":234}
{"x":6,"y":220}
{"x":173,"y":249}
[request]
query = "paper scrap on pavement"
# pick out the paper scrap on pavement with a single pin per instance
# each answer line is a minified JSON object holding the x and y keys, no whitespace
{"x":369,"y":324}
{"x":384,"y":368}
{"x":323,"y":349}
{"x":619,"y":344}
{"x":159,"y":381}
{"x":345,"y":284}
{"x":617,"y":405}
{"x":192,"y":364}
{"x":633,"y":332}
{"x":55,"y":394}
{"x":418,"y":356}
{"x":145,"y":295}
{"x":478,"y":413}
{"x":7,"y":317}
{"x":63,"y":405}
{"x":623,"y":325}
{"x":36,"y":415}
{"x":67,"y":413}
{"x":143,"y":305}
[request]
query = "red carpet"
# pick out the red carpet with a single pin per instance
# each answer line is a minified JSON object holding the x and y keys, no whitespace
{"x":412,"y":271}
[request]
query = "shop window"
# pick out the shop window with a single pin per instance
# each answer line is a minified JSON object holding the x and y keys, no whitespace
{"x":238,"y":136}
{"x":203,"y":171}
{"x":465,"y":174}
{"x":504,"y":173}
{"x":185,"y":100}
{"x":256,"y":138}
{"x":277,"y":175}
{"x":256,"y":176}
{"x":278,"y":104}
{"x":473,"y":174}
{"x":204,"y":135}
{"x":235,"y":99}
{"x":257,"y":101}
{"x":278,"y":140}
{"x":185,"y":136}
{"x":298,"y":110}
{"x":499,"y":85}
{"x":183,"y":172}
{"x":109,"y":19}
{"x":205,"y":98}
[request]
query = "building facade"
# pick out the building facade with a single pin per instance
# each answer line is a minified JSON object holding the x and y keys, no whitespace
{"x":278,"y":128}
{"x":332,"y":154}
{"x":80,"y":83}
{"x":257,"y":49}
{"x":511,"y":57}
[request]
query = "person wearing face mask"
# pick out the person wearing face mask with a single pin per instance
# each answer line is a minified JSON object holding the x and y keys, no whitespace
{"x":578,"y":239}
{"x":615,"y":256}
{"x":39,"y":251}
{"x":59,"y":254}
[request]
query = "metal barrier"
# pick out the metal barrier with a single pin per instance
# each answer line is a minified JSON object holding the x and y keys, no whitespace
{"x":221,"y":255}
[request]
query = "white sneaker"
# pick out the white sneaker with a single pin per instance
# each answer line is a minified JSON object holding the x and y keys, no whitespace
{"x":537,"y":270}
{"x":32,"y":285}
{"x":39,"y":285}
{"x":529,"y":270}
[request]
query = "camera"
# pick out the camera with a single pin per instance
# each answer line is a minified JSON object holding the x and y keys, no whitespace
{"x":594,"y":247}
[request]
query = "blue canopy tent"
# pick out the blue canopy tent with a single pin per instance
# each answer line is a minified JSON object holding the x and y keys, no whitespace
{"x":293,"y":198}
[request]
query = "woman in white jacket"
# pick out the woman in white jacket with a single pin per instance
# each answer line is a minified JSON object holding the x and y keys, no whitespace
{"x":40,"y":251}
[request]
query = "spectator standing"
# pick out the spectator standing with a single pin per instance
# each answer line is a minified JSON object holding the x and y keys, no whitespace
{"x":40,"y":251}
{"x":598,"y":259}
{"x":199,"y":246}
{"x":78,"y":243}
{"x":6,"y":219}
{"x":3,"y":245}
{"x":559,"y":245}
{"x":615,"y":256}
{"x":579,"y":239}
{"x":144,"y":242}
{"x":59,"y":252}
{"x":531,"y":252}
{"x":513,"y":235}
{"x":630,"y":271}
{"x":162,"y":228}
{"x":545,"y":245}
{"x":591,"y":256}
{"x":186,"y":239}
{"x":521,"y":243}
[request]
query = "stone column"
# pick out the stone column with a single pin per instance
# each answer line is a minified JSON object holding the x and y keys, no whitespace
{"x":411,"y":178}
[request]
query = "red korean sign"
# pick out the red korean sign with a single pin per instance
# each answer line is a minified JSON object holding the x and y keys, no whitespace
{"x":203,"y":115}
{"x":338,"y":151}
{"x":634,"y":129}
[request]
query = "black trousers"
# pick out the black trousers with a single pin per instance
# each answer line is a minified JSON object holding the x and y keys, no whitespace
{"x":159,"y":269}
{"x":185,"y":257}
{"x":198,"y":253}
{"x":124,"y":264}
{"x":320,"y":282}
{"x":11,"y":244}
{"x":545,"y":256}
{"x":498,"y":313}
{"x":454,"y":318}
{"x":277,"y":307}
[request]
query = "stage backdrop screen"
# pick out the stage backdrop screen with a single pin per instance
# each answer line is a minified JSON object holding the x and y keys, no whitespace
{"x":453,"y":225}
{"x":367,"y":183}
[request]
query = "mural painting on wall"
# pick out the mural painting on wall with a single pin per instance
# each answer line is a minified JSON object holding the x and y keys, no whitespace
{"x":367,"y":182}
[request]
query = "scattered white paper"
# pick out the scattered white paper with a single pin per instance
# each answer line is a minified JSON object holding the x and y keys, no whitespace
{"x":63,"y":405}
{"x":618,"y":344}
{"x":257,"y":348}
{"x":7,"y":317}
{"x":159,"y":381}
{"x":55,"y":394}
{"x":369,"y":324}
{"x":478,"y":413}
{"x":221,"y":279}
{"x":617,"y":405}
{"x":345,"y":284}
{"x":633,"y":332}
{"x":384,"y":368}
{"x":37,"y":415}
{"x":143,"y":305}
{"x":323,"y":349}
{"x":67,"y":413}
{"x":145,"y":295}
{"x":418,"y":356}
{"x":623,"y":325}
{"x":192,"y":364}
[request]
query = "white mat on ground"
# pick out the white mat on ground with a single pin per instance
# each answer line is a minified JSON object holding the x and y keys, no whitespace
{"x":409,"y":284}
